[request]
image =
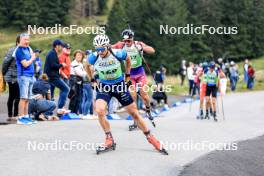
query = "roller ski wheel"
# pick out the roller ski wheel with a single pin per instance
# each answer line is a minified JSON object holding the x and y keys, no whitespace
{"x":108,"y":145}
{"x":102,"y":149}
{"x":157,"y":145}
{"x":200,"y":117}
{"x":132,"y":127}
{"x":164,"y":151}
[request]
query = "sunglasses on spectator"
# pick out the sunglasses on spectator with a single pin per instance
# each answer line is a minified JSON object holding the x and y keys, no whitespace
{"x":24,"y":35}
{"x":100,"y":50}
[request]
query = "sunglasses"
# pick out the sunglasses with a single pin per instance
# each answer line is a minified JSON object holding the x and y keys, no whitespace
{"x":100,"y":50}
{"x":127,"y":41}
{"x":24,"y":35}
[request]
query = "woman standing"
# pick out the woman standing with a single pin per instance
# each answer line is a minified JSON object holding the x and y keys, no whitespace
{"x":76,"y":81}
{"x":251,"y":77}
{"x":9,"y":71}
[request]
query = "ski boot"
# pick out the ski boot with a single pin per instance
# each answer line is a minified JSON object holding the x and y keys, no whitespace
{"x":108,"y":145}
{"x":149,"y":115}
{"x":132,"y":127}
{"x":200,"y":116}
{"x":157,"y":145}
{"x":214,"y":115}
{"x":211,"y":112}
{"x":207,"y":115}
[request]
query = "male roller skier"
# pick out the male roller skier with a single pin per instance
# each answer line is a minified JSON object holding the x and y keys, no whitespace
{"x":212,"y":83}
{"x":135,"y":50}
{"x":107,"y":67}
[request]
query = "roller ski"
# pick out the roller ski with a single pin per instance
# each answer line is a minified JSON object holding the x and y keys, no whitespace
{"x":200,"y":116}
{"x":157,"y":144}
{"x":107,"y":146}
{"x":132,"y":127}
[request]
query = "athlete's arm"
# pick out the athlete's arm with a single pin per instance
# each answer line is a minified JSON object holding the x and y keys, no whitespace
{"x":88,"y":66}
{"x":147,"y":49}
{"x":118,"y":45}
{"x":89,"y":70}
{"x":128,"y":65}
{"x":222,"y":74}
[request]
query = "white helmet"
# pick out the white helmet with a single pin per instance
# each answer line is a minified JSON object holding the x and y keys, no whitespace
{"x":101,"y":40}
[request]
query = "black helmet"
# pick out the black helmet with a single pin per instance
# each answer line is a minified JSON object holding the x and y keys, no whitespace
{"x":127,"y":34}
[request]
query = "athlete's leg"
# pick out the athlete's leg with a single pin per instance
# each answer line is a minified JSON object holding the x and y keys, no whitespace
{"x":214,"y":104}
{"x":102,"y":100}
{"x":101,"y":110}
{"x":133,"y":111}
{"x":142,"y":80}
{"x":126,"y":100}
{"x":214,"y":94}
{"x":208,"y":101}
{"x":132,"y":89}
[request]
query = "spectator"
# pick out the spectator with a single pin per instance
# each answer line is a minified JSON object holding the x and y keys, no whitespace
{"x":51,"y":68}
{"x":160,"y":93}
{"x":227,"y":70}
{"x":87,"y":98}
{"x":64,"y":71}
{"x":113,"y":106}
{"x":25,"y":58}
{"x":196,"y":87}
{"x":65,"y":58}
{"x":233,"y":75}
{"x":76,"y":80}
{"x":182,"y":71}
{"x":190,"y":74}
{"x":38,"y":64}
{"x":9,"y":71}
{"x":41,"y":106}
{"x":251,"y":77}
{"x":246,"y":71}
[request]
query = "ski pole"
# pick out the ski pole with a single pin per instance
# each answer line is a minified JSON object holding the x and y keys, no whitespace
{"x":218,"y":110}
{"x":190,"y":106}
{"x":222,"y":102}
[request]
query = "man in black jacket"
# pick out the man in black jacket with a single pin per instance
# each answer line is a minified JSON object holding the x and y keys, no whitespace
{"x":51,"y":68}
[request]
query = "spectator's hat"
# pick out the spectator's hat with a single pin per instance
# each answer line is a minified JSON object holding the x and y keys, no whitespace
{"x":66,"y":45}
{"x":37,"y":51}
{"x":57,"y":42}
{"x":87,"y":52}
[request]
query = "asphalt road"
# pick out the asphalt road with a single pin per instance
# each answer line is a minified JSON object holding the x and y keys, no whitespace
{"x":178,"y":129}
